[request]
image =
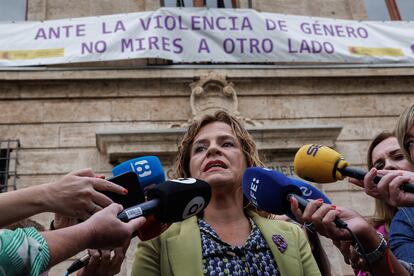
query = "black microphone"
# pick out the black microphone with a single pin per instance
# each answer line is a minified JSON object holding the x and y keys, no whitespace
{"x":172,"y":201}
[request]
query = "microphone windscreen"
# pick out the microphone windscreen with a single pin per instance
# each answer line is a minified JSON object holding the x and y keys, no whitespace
{"x":180,"y":198}
{"x":268,"y":189}
{"x":148,"y":169}
{"x":308,"y":191}
{"x":318,"y":163}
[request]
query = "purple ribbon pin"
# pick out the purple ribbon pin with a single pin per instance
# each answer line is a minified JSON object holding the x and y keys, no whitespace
{"x":280,"y":242}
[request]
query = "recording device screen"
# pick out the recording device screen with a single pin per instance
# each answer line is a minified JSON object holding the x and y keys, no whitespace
{"x":129,"y":181}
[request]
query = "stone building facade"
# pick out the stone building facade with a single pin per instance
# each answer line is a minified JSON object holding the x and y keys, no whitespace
{"x":97,"y":115}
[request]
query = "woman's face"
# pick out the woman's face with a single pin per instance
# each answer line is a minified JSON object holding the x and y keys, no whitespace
{"x":387,"y":155}
{"x":410,"y":143}
{"x":216,"y":156}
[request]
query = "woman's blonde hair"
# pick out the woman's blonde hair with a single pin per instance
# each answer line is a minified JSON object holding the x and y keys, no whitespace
{"x":404,"y":125}
{"x":181,"y":166}
{"x":384,"y":212}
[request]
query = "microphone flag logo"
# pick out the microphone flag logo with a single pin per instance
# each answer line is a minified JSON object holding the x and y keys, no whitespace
{"x":313,"y":149}
{"x":193,"y":207}
{"x":142,"y":168}
{"x":306,"y":191}
{"x":184,"y":180}
{"x":253,"y":189}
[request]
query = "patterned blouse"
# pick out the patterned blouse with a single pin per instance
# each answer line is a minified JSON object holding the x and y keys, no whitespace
{"x":220,"y":258}
{"x":22,"y":252}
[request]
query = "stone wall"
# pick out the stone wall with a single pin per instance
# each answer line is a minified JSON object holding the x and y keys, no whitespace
{"x":47,"y":10}
{"x":56,"y":114}
{"x":343,"y":9}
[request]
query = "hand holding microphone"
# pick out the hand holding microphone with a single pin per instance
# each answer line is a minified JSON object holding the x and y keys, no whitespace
{"x":171,"y":201}
{"x":272,"y":192}
{"x":369,"y":246}
{"x":322,"y":217}
{"x":150,"y":173}
{"x":322,"y":164}
{"x":135,"y":175}
{"x":79,"y":194}
{"x":391,"y":187}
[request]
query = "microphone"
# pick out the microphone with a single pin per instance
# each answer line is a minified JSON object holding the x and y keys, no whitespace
{"x":308,"y":191}
{"x":271,"y":191}
{"x":130,"y":181}
{"x":150,"y":172}
{"x":136,"y":175}
{"x":322,"y":164}
{"x":148,"y":169}
{"x":172,"y":201}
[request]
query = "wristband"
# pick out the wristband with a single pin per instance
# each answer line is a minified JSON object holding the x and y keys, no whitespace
{"x":377,"y":254}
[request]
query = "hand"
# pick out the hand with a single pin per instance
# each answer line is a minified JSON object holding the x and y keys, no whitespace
{"x":106,"y":231}
{"x":356,"y":182}
{"x":388,"y":188}
{"x":351,"y":257}
{"x":102,"y":263}
{"x":399,"y":197}
{"x":76,"y":194}
{"x":323,"y":215}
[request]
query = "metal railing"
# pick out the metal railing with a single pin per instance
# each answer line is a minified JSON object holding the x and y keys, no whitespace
{"x":8,"y":164}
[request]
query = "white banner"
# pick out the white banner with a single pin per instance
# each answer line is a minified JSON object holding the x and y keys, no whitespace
{"x":206,"y":35}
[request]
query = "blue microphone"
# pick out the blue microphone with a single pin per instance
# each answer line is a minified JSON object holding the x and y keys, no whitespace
{"x":150,"y":173}
{"x":271,"y":191}
{"x":148,"y":169}
{"x":308,"y":191}
{"x":268,"y":190}
{"x":142,"y":172}
{"x":135,"y":175}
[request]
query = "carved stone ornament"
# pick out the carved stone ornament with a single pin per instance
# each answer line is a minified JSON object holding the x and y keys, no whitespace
{"x":212,"y":92}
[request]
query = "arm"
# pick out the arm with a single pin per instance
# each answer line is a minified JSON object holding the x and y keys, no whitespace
{"x":351,"y":257}
{"x":102,"y":262}
{"x":74,"y":195}
{"x":30,"y":198}
{"x":408,"y":266}
{"x":102,"y":231}
{"x":23,"y":252}
{"x":402,"y":235}
{"x":322,"y":217}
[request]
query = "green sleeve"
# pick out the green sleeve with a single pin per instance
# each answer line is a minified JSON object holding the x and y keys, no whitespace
{"x":23,"y":252}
